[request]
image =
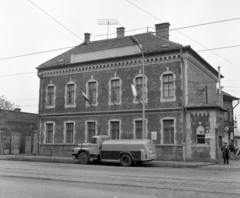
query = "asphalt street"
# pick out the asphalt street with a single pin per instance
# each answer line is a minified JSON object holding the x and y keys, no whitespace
{"x":42,"y":179}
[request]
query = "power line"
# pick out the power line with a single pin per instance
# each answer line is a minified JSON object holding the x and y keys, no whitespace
{"x":67,"y":28}
{"x":220,"y":48}
{"x":17,"y":74}
{"x":34,"y":53}
{"x":185,"y":35}
{"x":55,"y":20}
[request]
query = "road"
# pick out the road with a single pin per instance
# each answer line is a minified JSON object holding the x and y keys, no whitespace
{"x":56,"y":180}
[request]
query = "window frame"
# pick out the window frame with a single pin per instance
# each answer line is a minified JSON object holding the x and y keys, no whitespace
{"x":45,"y":132}
{"x":87,"y":93}
{"x":135,"y":128}
{"x":47,"y":105}
{"x":136,"y":100}
{"x":162,"y":97}
{"x":65,"y":132}
{"x":162,"y":130}
{"x":67,"y":105}
{"x":87,"y":129}
{"x":110,"y":98}
{"x":110,"y":128}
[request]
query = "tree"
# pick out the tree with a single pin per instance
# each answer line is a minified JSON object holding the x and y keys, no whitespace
{"x":5,"y":104}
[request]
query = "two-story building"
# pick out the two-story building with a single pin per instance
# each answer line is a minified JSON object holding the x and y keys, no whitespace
{"x":88,"y":91}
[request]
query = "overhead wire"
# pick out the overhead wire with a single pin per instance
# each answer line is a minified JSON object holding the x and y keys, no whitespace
{"x":129,"y":30}
{"x":185,"y":35}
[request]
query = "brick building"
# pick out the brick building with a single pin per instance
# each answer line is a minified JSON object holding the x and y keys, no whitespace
{"x":183,"y":111}
{"x":18,"y":131}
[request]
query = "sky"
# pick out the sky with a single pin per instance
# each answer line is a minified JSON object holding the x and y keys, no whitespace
{"x":34,"y":31}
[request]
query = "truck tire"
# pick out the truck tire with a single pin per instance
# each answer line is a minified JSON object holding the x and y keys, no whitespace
{"x":83,"y":158}
{"x":126,"y":160}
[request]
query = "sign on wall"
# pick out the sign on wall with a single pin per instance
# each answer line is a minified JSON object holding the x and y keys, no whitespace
{"x":154,"y":135}
{"x":209,"y":135}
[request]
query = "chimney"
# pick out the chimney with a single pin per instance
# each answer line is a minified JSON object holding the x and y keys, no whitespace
{"x":120,"y":32}
{"x":162,"y":30}
{"x":17,"y":109}
{"x":87,"y":38}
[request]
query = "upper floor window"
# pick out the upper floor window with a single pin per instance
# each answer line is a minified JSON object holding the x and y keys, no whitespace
{"x":115,"y":130}
{"x":92,"y":92}
{"x":50,"y":96}
{"x":69,"y":133}
{"x":49,"y":133}
{"x":141,"y":89}
{"x":115,"y":90}
{"x":168,"y":91}
{"x":70,"y":96}
{"x":167,"y":87}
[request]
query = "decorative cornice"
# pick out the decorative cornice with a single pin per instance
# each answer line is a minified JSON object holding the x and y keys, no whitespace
{"x":72,"y":69}
{"x":159,"y":110}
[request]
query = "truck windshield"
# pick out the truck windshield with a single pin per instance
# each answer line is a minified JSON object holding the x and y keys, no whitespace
{"x":94,"y":140}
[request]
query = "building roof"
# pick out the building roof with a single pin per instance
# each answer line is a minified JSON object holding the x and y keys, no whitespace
{"x":228,"y":96}
{"x":150,"y":43}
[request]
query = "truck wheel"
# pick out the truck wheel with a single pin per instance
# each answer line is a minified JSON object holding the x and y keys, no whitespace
{"x":83,"y":158}
{"x":126,"y":160}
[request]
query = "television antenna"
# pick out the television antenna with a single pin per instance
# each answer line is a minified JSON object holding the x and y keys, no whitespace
{"x":108,"y":22}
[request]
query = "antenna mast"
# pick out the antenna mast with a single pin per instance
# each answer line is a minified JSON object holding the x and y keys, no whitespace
{"x":108,"y":22}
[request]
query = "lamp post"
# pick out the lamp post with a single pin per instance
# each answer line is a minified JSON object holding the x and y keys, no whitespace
{"x":135,"y":41}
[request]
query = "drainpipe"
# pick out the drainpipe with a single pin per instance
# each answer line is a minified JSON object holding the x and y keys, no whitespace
{"x":39,"y":113}
{"x":183,"y":107}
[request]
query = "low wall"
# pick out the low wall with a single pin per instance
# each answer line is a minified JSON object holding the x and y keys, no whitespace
{"x":169,"y":152}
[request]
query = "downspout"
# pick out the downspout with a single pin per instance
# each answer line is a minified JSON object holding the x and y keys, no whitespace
{"x":39,"y":113}
{"x":183,"y":107}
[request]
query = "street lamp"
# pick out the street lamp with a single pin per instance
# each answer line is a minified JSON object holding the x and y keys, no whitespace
{"x":135,"y":41}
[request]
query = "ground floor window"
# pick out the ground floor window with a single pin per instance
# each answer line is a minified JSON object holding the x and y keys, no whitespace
{"x":139,"y":130}
{"x":115,"y":130}
{"x":168,"y":131}
{"x":49,"y":133}
{"x":200,"y":135}
{"x":91,"y":130}
{"x":69,"y":132}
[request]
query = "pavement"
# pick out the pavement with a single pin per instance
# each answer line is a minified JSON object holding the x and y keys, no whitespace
{"x":70,"y":160}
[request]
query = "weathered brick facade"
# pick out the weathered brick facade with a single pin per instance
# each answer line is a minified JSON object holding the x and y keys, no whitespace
{"x":190,"y":88}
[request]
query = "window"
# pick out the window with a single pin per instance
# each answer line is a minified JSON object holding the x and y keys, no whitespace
{"x":50,"y":95}
{"x":115,"y":130}
{"x":168,"y":131}
{"x":168,"y":90}
{"x":69,"y":132}
{"x":91,"y":130}
{"x":168,"y":87}
{"x":139,"y":87}
{"x":140,"y":84}
{"x":92,"y":92}
{"x":200,"y":135}
{"x":49,"y":133}
{"x":70,"y":94}
{"x":139,"y":130}
{"x":115,"y":90}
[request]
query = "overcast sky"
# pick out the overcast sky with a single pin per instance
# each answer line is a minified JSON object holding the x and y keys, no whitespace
{"x":41,"y":25}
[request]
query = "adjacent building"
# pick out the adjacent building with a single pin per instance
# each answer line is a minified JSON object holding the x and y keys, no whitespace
{"x":89,"y":90}
{"x":18,"y":132}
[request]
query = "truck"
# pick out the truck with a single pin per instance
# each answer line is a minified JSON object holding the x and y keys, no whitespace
{"x":129,"y":152}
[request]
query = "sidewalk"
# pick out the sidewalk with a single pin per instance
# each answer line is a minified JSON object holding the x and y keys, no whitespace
{"x":70,"y":160}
